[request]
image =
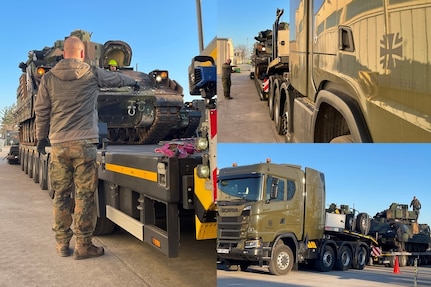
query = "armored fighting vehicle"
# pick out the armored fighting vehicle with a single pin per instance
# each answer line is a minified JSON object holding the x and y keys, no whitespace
{"x":126,"y":116}
{"x":397,"y":229}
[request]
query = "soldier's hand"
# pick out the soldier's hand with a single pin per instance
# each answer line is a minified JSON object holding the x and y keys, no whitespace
{"x":136,"y":87}
{"x":41,"y":144}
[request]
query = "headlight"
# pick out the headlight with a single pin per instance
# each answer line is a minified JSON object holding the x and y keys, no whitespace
{"x":203,"y":171}
{"x":252,"y":243}
{"x":158,"y":78}
{"x":201,"y":143}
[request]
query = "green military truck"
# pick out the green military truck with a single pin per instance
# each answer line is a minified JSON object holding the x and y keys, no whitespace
{"x":274,"y":215}
{"x":358,"y":72}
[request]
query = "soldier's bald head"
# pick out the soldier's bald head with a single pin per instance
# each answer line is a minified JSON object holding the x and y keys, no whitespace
{"x":73,"y":48}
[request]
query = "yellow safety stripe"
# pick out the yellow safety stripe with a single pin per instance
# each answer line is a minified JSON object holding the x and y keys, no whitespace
{"x":139,"y":173}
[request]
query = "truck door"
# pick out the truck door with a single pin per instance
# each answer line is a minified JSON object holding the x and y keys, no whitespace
{"x":284,"y":204}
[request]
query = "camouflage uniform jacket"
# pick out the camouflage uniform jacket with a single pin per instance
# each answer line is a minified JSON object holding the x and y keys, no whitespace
{"x":66,"y":102}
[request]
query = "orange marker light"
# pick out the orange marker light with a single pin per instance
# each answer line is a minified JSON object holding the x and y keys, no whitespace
{"x":40,"y":71}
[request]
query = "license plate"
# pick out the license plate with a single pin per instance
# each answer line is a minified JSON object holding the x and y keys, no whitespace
{"x":223,"y":251}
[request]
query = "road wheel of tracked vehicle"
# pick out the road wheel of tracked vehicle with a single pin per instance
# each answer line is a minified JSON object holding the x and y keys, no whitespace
{"x":350,"y":222}
{"x":402,"y":260}
{"x":363,"y":223}
{"x":344,"y":260}
{"x":281,"y":260}
{"x":361,"y":257}
{"x":326,"y":260}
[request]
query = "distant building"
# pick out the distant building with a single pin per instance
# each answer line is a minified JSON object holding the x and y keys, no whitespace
{"x":220,"y":49}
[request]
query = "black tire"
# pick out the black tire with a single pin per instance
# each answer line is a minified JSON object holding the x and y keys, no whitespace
{"x":287,"y":120}
{"x":26,"y":162}
{"x":361,"y":258}
{"x":343,"y":139}
{"x":326,"y":260}
{"x":244,"y":266}
{"x":35,"y":168}
{"x":278,"y":112}
{"x":103,"y":226}
{"x":48,"y":181}
{"x":344,"y":260}
{"x":363,"y":223}
{"x":271,"y":97}
{"x":282,"y":260}
{"x":22,"y":159}
{"x":43,"y":183}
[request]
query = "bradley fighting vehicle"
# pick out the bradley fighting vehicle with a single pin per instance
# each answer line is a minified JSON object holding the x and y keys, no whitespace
{"x":153,"y":113}
{"x":397,"y":230}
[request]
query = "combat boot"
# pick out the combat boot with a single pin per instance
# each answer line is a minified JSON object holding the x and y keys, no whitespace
{"x":62,"y":249}
{"x":83,"y":251}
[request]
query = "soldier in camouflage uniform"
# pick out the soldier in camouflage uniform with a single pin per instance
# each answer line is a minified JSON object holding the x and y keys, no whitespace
{"x":66,"y":111}
{"x":416,"y":204}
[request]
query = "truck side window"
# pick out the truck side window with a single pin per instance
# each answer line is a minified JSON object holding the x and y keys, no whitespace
{"x":274,"y":188}
{"x":291,"y":188}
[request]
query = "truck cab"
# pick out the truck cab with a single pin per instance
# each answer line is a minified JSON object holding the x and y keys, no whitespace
{"x":274,"y":215}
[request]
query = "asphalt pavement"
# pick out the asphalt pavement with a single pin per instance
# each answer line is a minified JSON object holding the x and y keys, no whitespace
{"x":245,"y":118}
{"x":28,"y":256}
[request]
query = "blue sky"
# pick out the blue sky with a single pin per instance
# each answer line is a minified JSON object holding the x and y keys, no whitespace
{"x":368,"y":177}
{"x":243,"y":20}
{"x":162,"y":34}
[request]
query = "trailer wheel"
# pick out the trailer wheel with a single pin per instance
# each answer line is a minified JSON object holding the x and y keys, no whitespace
{"x":35,"y":168}
{"x":282,"y":260}
{"x":42,"y":175}
{"x":103,"y":226}
{"x":244,"y":266}
{"x":344,"y":260}
{"x":326,"y":259}
{"x":30,"y":165}
{"x":363,"y":223}
{"x":361,"y":258}
{"x":271,"y":96}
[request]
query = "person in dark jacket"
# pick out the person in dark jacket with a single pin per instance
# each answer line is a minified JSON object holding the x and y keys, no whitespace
{"x":226,"y":79}
{"x":66,"y":113}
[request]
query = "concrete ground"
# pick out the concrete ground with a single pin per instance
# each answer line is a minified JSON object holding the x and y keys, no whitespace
{"x":28,"y":256}
{"x":245,"y":118}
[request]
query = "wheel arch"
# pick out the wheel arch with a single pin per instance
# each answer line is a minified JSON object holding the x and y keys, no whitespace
{"x":335,"y":106}
{"x":290,"y":240}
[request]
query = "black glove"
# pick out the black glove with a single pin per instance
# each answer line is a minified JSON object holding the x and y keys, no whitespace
{"x":41,"y":144}
{"x":136,"y":87}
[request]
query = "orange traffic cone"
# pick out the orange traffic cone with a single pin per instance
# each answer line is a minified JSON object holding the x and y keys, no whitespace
{"x":396,"y":266}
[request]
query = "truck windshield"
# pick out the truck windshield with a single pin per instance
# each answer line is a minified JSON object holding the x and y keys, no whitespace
{"x":242,"y":188}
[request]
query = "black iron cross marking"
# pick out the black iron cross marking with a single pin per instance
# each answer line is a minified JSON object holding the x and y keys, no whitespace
{"x":391,"y":49}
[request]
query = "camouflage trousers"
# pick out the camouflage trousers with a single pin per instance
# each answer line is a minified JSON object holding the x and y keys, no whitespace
{"x":73,"y":168}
